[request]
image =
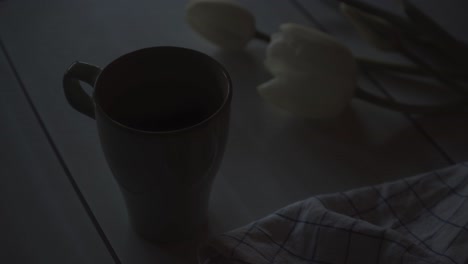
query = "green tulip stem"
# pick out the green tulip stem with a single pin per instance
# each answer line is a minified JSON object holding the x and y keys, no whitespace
{"x":262,"y":36}
{"x":410,"y":108}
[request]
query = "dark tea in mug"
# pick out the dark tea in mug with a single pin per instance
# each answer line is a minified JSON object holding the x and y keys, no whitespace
{"x":165,"y":104}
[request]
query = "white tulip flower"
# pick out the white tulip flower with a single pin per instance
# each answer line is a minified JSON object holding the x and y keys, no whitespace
{"x":222,"y":22}
{"x":314,"y":75}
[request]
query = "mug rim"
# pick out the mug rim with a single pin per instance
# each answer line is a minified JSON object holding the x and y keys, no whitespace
{"x":226,"y":100}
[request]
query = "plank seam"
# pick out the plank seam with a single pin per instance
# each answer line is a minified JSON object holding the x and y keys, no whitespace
{"x":56,"y":151}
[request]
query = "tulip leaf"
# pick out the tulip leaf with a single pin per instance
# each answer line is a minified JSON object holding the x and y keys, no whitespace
{"x":377,"y":31}
{"x":437,"y":36}
{"x":395,"y":20}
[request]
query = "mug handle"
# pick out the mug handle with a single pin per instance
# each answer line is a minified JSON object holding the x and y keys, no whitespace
{"x":76,"y":96}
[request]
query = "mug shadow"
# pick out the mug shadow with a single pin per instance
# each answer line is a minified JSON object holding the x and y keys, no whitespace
{"x":404,"y":150}
{"x":369,"y":145}
{"x":179,"y":252}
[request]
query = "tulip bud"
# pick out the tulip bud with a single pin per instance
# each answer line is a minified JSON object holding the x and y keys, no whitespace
{"x":314,"y":75}
{"x":222,"y":22}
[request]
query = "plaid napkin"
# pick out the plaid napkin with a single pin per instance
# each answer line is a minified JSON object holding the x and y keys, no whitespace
{"x":422,"y":219}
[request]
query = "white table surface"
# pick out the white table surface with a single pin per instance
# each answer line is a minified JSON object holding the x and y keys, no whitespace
{"x":58,"y":200}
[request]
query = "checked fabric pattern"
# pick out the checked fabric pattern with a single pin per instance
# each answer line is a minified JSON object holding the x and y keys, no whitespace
{"x":422,"y":219}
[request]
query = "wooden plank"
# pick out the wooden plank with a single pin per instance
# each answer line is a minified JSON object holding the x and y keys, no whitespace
{"x":446,"y":131}
{"x":41,"y":218}
{"x":272,"y":159}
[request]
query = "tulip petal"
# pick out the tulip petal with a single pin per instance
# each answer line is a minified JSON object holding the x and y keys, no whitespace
{"x":315,"y":76}
{"x":304,"y":97}
{"x":222,"y":22}
{"x":300,"y":49}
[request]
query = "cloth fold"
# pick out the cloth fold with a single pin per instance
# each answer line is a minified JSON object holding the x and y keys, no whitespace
{"x":421,"y":219}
